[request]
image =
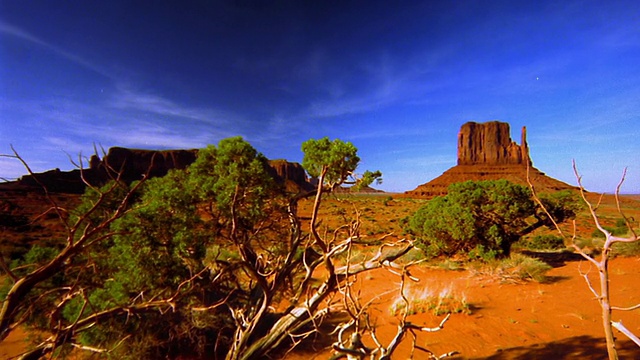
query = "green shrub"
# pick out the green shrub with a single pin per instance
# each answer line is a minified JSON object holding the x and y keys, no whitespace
{"x":387,"y":200}
{"x":544,"y":242}
{"x":626,"y":249}
{"x":615,"y":231}
{"x":481,"y":253}
{"x":483,"y":218}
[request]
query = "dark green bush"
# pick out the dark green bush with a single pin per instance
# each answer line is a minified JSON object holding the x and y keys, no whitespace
{"x":544,"y":242}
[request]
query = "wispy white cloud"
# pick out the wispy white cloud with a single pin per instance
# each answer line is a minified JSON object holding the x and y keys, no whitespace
{"x":13,"y":31}
{"x":129,"y":99}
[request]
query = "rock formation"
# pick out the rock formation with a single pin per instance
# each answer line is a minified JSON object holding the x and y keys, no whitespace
{"x":486,"y":152}
{"x":291,"y":174}
{"x":132,"y":164}
{"x":490,"y":144}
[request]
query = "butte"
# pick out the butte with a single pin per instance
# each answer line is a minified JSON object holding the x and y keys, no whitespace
{"x":486,"y":152}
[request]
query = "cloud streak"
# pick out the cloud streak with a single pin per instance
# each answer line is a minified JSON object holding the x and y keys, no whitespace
{"x":13,"y":31}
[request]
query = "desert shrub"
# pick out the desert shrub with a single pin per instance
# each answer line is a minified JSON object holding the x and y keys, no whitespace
{"x":626,"y":249}
{"x":484,"y":218}
{"x":481,"y":253}
{"x":590,"y":245}
{"x":620,"y":223}
{"x":448,"y":264}
{"x":429,"y":300}
{"x":543,"y":242}
{"x":413,"y":255}
{"x":387,"y":200}
{"x":618,"y":230}
{"x":516,"y":268}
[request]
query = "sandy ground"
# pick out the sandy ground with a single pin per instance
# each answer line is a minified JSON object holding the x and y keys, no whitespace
{"x":555,"y":320}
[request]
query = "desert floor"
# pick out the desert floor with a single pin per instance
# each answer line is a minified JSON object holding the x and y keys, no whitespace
{"x":556,"y":319}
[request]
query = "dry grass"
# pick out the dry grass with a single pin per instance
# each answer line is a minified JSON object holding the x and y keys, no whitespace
{"x":438,"y":302}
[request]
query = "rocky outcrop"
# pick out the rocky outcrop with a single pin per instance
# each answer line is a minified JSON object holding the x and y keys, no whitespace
{"x":291,"y":175}
{"x":486,"y":152}
{"x":490,"y":144}
{"x":133,"y":164}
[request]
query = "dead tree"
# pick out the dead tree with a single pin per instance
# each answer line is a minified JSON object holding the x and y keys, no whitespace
{"x":602,"y":264}
{"x":306,"y":271}
{"x":20,"y":302}
{"x":308,"y":309}
{"x":360,"y":326}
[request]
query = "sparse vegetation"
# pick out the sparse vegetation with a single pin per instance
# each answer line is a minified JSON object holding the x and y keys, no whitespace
{"x":516,"y":268}
{"x":140,"y":265}
{"x":438,"y":303}
{"x":603,"y":294}
{"x":194,"y":262}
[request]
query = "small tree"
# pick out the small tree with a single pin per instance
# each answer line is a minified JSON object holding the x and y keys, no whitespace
{"x":482,"y":218}
{"x":198,"y":260}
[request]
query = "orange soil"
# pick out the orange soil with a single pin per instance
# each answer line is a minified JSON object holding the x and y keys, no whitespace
{"x":555,"y":320}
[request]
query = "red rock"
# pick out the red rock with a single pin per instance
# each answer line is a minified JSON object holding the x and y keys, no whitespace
{"x":490,"y":144}
{"x":486,"y":152}
{"x":132,"y":164}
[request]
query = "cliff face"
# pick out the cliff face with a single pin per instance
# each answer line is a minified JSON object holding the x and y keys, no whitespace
{"x":292,"y":175}
{"x":486,"y":152}
{"x":132,"y":164}
{"x":490,"y":144}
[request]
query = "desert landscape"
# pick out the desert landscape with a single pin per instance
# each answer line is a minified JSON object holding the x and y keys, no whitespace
{"x":493,"y":309}
{"x":304,"y":179}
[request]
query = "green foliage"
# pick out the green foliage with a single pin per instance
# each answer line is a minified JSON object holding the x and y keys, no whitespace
{"x":368,"y":178}
{"x":614,"y":231}
{"x":481,"y":218}
{"x":543,"y":242}
{"x":168,"y":262}
{"x":387,"y":200}
{"x":481,"y":253}
{"x":233,"y":177}
{"x":178,"y":233}
{"x":336,"y":158}
{"x":561,"y":205}
{"x":626,"y":248}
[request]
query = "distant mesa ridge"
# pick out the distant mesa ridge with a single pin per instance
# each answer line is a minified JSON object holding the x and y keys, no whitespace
{"x":486,"y":152}
{"x":132,"y":164}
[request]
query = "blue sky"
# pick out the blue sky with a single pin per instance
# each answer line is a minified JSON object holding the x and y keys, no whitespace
{"x":397,"y":79}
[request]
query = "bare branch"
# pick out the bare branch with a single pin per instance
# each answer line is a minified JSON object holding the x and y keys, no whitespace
{"x":626,"y":308}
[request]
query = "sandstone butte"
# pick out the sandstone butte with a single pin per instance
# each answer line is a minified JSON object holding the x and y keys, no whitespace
{"x":131,"y":164}
{"x":486,"y":152}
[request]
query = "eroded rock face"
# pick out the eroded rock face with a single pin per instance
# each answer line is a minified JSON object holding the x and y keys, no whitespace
{"x":490,"y":144}
{"x":486,"y":152}
{"x":283,"y":170}
{"x":133,"y":164}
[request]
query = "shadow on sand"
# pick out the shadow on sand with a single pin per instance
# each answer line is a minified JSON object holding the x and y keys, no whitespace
{"x":579,"y":347}
{"x":554,"y":259}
